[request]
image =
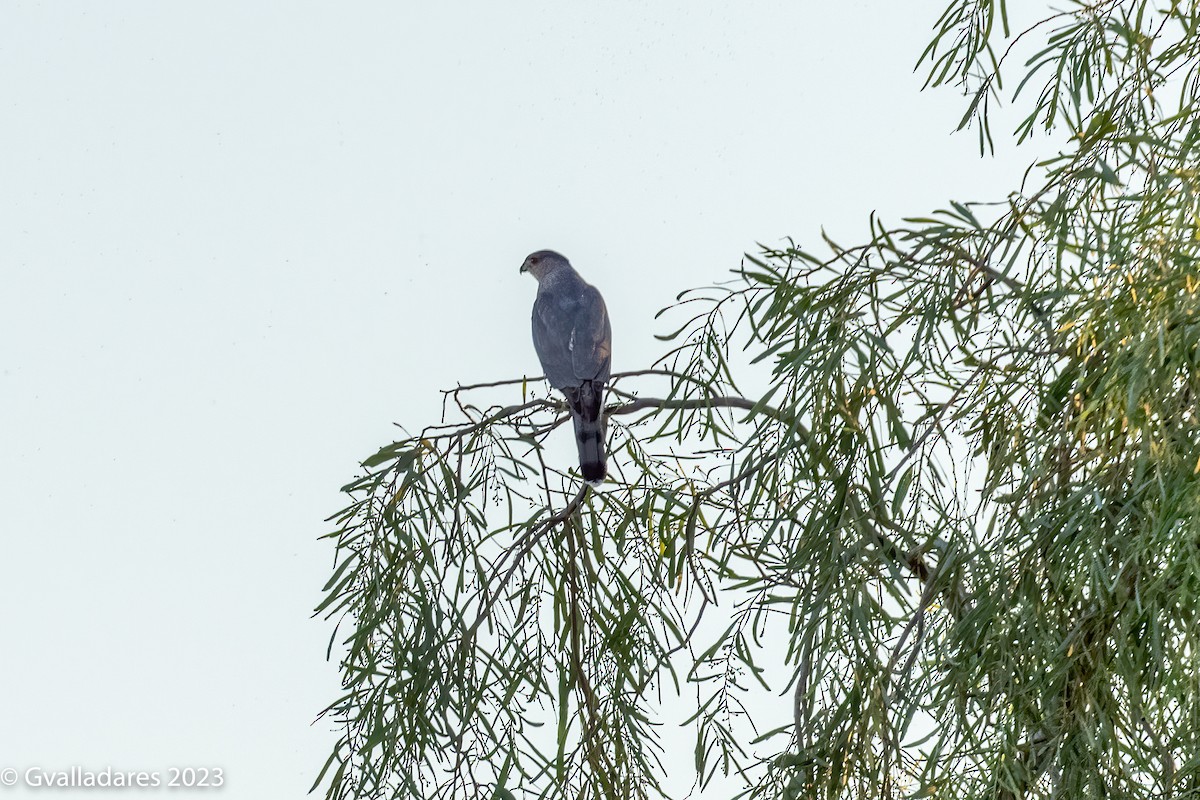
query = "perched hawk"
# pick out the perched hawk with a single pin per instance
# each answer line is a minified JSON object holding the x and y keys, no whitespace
{"x":573,"y":341}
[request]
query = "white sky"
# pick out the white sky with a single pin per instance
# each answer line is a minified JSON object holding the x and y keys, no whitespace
{"x":239,"y":240}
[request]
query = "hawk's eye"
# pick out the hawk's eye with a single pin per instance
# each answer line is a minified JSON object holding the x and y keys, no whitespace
{"x":534,"y":260}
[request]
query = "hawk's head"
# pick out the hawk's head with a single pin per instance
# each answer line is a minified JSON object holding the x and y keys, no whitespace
{"x":543,"y":262}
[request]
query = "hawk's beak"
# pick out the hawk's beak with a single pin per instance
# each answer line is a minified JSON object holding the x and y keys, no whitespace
{"x":525,"y":267}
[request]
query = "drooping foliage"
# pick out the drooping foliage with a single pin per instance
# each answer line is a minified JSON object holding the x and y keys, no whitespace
{"x":955,"y":535}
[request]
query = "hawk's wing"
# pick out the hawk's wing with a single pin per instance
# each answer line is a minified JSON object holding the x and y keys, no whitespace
{"x":572,"y":335}
{"x":591,"y":338}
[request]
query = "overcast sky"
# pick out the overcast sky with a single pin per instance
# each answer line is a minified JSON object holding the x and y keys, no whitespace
{"x":239,"y":240}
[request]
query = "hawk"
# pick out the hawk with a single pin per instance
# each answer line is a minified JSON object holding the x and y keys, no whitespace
{"x":573,"y":340}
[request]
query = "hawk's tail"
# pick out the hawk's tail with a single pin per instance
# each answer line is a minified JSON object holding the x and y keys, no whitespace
{"x":587,"y":412}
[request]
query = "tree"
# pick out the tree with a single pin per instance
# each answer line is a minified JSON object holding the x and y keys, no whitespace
{"x":957,"y":531}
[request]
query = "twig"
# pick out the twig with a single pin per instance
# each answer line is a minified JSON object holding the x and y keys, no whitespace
{"x":643,"y":403}
{"x":507,"y":382}
{"x":506,"y":411}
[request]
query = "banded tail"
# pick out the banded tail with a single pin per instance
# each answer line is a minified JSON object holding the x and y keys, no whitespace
{"x":587,"y":412}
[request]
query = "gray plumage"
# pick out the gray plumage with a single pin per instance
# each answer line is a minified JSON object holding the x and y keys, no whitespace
{"x":573,"y":339}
